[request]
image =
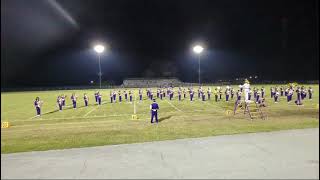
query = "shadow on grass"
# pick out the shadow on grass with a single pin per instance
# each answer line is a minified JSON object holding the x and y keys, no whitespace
{"x":69,"y":107}
{"x":164,"y":118}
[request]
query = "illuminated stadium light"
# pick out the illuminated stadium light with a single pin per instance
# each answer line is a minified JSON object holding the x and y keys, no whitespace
{"x":197,"y":49}
{"x":99,"y":48}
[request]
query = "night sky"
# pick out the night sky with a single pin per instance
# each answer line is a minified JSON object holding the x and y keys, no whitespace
{"x":49,"y":43}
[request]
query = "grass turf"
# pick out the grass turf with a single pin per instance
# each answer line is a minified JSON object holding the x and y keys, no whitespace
{"x":112,"y":124}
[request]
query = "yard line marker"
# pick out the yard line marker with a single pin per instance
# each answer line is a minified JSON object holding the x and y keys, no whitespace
{"x":173,"y":106}
{"x":134,"y":104}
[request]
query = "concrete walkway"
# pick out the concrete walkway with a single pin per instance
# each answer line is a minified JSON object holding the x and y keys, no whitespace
{"x":283,"y":154}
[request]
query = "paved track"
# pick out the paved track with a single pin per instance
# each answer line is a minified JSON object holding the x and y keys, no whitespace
{"x":284,"y":154}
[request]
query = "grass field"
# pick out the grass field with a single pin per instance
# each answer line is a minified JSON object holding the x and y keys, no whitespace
{"x":112,"y":123}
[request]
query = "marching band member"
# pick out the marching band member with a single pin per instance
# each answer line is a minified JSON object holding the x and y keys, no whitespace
{"x":150,"y":94}
{"x":216,"y":94}
{"x":276,"y":95}
{"x":220,"y":93}
{"x":281,"y":91}
{"x":74,"y":101}
{"x":96,"y":96}
{"x":227,"y":93}
{"x":191,"y":94}
{"x":114,"y":94}
{"x":239,"y":95}
{"x":254,"y":93}
{"x":120,"y":97}
{"x":310,"y":91}
{"x":86,"y":99}
{"x":140,"y":94}
{"x":249,"y":94}
{"x":130,"y":95}
{"x":272,"y":90}
{"x":154,"y":111}
{"x":170,"y":94}
{"x":237,"y":102}
{"x":99,"y":98}
{"x":203,"y":94}
{"x":258,"y":95}
{"x":147,"y":91}
{"x":63,"y":97}
{"x":125,"y":95}
{"x":303,"y":93}
{"x":161,"y":93}
{"x":209,"y":93}
{"x":179,"y":94}
{"x":164,"y":93}
{"x":37,"y":104}
{"x":232,"y":93}
{"x":111,"y":97}
{"x":298,"y":101}
{"x":290,"y":94}
{"x":241,"y":87}
{"x":262,"y":92}
{"x":261,"y":102}
{"x":286,"y":91}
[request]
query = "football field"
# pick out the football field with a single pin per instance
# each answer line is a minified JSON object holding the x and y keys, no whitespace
{"x":112,"y":123}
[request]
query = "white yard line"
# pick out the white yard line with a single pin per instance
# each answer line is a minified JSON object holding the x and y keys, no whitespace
{"x":89,"y":112}
{"x":173,"y":106}
{"x":80,"y":117}
{"x":64,"y":127}
{"x":215,"y":106}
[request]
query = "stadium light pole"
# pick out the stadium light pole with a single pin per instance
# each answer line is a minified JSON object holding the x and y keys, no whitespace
{"x":99,"y":49}
{"x":198,"y":50}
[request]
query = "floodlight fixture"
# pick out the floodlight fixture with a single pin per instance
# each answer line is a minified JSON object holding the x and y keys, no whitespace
{"x":197,"y":49}
{"x":99,"y":48}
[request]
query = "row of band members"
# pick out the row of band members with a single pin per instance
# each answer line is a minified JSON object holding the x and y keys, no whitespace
{"x":256,"y":95}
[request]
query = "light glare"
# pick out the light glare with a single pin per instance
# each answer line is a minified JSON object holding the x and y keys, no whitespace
{"x":198,"y":49}
{"x":99,"y":48}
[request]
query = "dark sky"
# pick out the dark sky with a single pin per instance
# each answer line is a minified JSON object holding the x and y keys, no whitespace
{"x":49,"y":42}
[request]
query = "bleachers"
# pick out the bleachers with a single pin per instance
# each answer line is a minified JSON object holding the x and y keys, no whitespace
{"x":151,"y":82}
